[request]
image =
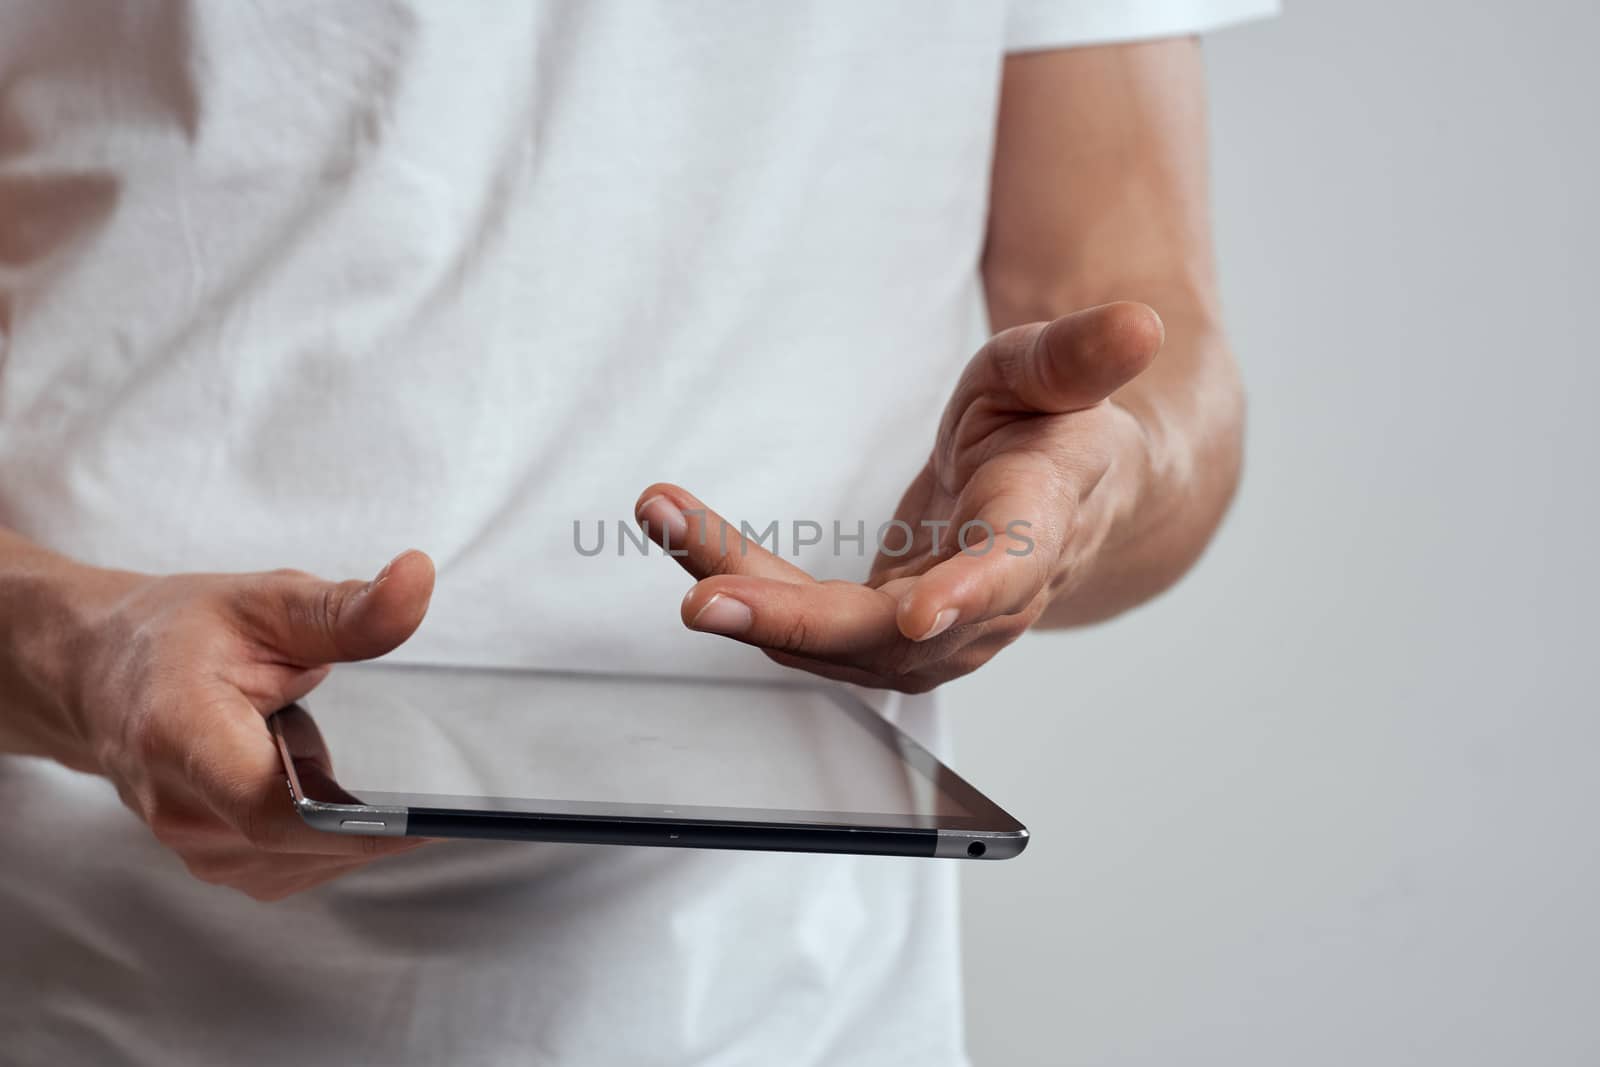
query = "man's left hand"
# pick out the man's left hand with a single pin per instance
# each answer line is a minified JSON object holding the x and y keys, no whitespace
{"x":1033,"y":466}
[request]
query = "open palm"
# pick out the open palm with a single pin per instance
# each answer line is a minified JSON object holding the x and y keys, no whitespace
{"x":1017,"y":495}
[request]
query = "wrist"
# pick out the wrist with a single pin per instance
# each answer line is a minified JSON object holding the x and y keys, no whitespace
{"x":1141,"y":459}
{"x":51,"y":609}
{"x":1182,"y":454}
{"x":1172,"y":475}
{"x":1121,"y":555}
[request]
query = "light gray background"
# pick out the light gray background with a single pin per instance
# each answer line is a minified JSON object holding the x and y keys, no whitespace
{"x":1333,"y":801}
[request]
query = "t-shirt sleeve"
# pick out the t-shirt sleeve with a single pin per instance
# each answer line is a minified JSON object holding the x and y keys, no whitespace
{"x":1032,"y":25}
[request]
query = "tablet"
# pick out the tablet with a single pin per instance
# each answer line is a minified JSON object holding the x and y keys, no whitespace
{"x":800,"y":767}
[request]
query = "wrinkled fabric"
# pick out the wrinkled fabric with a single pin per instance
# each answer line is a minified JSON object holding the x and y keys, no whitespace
{"x":304,"y":284}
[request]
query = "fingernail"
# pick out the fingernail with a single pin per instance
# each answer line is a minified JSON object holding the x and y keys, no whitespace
{"x":658,"y":514}
{"x":723,"y":615}
{"x":384,"y":573}
{"x":941,"y":623}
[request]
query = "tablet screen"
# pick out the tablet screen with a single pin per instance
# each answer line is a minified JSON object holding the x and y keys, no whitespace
{"x":584,"y":744}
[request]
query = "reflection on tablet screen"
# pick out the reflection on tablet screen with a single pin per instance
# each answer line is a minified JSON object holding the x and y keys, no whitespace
{"x":614,"y":741}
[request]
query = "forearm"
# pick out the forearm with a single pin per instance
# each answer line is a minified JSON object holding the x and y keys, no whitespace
{"x":1168,"y":493}
{"x":47,"y":603}
{"x":1100,"y":194}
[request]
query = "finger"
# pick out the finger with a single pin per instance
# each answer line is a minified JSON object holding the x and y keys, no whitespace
{"x":1001,"y":564}
{"x":897,"y":558}
{"x":834,"y":672}
{"x":914,"y":681}
{"x":249,"y":872}
{"x":703,"y":542}
{"x":301,"y":682}
{"x":314,"y":876}
{"x":1080,"y":359}
{"x":234,"y":768}
{"x":309,"y":751}
{"x":311,"y":622}
{"x":1058,"y":367}
{"x":273,"y":685}
{"x":825,"y":619}
{"x":961,"y":653}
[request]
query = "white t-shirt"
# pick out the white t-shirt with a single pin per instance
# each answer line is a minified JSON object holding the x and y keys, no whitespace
{"x":303,"y":284}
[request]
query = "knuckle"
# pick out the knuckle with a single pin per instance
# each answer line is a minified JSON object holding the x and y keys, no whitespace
{"x":242,"y":809}
{"x":1005,"y":607}
{"x":256,"y":828}
{"x":908,"y":669}
{"x":164,"y":822}
{"x":1062,"y":581}
{"x":195,"y":763}
{"x":254,"y":601}
{"x":914,"y":684}
{"x":110,"y":755}
{"x":291,"y":573}
{"x":903,"y":659}
{"x":300,"y":603}
{"x":248,"y":826}
{"x":1009,"y":350}
{"x":129,"y":793}
{"x":329,"y":603}
{"x":145,"y":738}
{"x":717,"y":551}
{"x":798,"y":633}
{"x":1010,"y":627}
{"x":146,"y":804}
{"x":965,"y":662}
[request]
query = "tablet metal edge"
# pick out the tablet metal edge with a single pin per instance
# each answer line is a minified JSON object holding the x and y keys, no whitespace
{"x":361,"y":819}
{"x":979,"y":844}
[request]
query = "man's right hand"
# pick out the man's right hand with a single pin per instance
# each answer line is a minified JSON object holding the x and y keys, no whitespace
{"x":163,"y":685}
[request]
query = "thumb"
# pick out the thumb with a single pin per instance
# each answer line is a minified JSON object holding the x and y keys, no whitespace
{"x":1079,"y":359}
{"x":310,"y":621}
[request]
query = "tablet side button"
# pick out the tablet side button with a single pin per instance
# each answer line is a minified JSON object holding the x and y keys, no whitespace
{"x":362,"y":825}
